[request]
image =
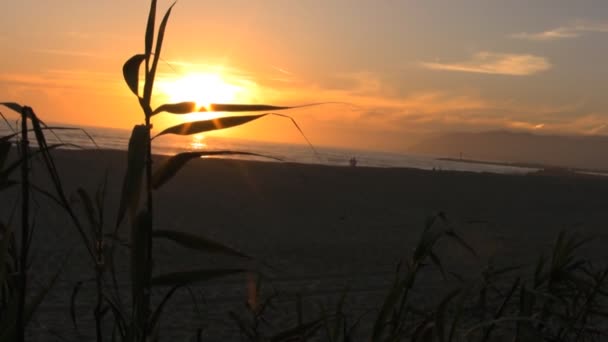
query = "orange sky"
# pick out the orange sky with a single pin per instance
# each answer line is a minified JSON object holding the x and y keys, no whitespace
{"x":402,"y":69}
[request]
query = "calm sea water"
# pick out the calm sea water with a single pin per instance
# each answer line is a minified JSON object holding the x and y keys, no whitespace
{"x":110,"y":138}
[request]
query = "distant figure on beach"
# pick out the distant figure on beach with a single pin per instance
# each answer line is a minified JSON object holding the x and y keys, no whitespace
{"x":353,"y":162}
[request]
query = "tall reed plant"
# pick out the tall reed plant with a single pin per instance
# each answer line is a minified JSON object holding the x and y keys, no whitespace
{"x":141,"y":179}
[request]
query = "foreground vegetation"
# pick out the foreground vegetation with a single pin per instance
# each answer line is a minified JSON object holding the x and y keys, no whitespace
{"x":563,"y":298}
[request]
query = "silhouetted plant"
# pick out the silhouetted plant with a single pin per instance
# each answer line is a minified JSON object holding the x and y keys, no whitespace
{"x":139,"y":174}
{"x":14,"y":278}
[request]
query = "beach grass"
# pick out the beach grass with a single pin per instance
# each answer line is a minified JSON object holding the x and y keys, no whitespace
{"x":562,"y":297}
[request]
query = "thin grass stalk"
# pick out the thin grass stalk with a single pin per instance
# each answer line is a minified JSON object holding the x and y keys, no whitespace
{"x":99,"y":268}
{"x":25,"y":197}
{"x":149,"y":207}
{"x":146,"y":106}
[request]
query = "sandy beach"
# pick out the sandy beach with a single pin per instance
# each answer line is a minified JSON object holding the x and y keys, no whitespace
{"x":321,"y":229}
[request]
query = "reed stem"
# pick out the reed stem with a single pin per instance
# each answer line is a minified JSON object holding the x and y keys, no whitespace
{"x":25,"y":197}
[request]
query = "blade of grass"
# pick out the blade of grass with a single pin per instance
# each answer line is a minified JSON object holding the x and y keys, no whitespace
{"x":132,"y":182}
{"x":130,"y":72}
{"x":209,"y":125}
{"x":159,"y":309}
{"x":5,"y":147}
{"x":149,"y":37}
{"x":166,"y":171}
{"x":227,"y":122}
{"x":14,"y":106}
{"x":197,"y":242}
{"x":140,"y":269}
{"x":159,"y":43}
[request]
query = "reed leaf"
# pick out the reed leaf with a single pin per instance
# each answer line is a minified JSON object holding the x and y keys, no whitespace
{"x":187,"y":277}
{"x":506,"y":298}
{"x":4,"y":250}
{"x":209,"y":125}
{"x":36,"y":300}
{"x":130,"y":72}
{"x":159,"y":43}
{"x":190,"y":107}
{"x":140,"y":265}
{"x":390,"y":302}
{"x":176,"y":108}
{"x":170,"y":168}
{"x":75,"y":292}
{"x":5,"y":147}
{"x":198,"y":243}
{"x":161,"y":306}
{"x":227,"y":122}
{"x":440,"y":314}
{"x":47,"y":158}
{"x":149,"y":38}
{"x":12,"y":105}
{"x":229,"y":107}
{"x":89,"y":208}
{"x":132,"y":182}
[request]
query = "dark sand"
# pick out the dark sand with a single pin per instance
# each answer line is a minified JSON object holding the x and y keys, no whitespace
{"x":321,"y":228}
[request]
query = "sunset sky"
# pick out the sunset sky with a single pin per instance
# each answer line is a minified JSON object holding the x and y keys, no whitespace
{"x":401,"y":68}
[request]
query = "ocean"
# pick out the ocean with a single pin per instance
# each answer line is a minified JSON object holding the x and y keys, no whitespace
{"x":118,"y":139}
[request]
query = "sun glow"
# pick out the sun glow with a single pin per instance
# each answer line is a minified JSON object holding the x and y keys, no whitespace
{"x":202,"y":88}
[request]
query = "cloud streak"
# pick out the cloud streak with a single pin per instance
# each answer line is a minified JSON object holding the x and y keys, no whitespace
{"x":71,"y":53}
{"x":563,"y":32}
{"x":496,"y":64}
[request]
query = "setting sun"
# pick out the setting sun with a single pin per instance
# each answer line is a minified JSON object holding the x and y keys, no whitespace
{"x":202,"y":88}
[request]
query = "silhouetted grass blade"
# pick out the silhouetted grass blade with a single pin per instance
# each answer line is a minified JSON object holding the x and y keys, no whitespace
{"x":389,"y":303}
{"x":132,"y":182}
{"x":89,"y":208}
{"x":299,"y":333}
{"x":209,"y":125}
{"x":140,"y":265}
{"x":188,"y":277}
{"x":168,"y":169}
{"x":14,"y":165}
{"x":35,"y":301}
{"x":159,"y":44}
{"x":149,"y":38}
{"x":176,"y":108}
{"x":130,"y":72}
{"x":4,"y":250}
{"x":14,"y":106}
{"x":75,"y":292}
{"x":222,"y":107}
{"x":197,"y":242}
{"x":440,"y":314}
{"x":161,"y":306}
{"x":5,"y":147}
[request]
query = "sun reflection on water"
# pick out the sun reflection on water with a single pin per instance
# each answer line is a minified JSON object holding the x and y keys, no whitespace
{"x":198,"y":142}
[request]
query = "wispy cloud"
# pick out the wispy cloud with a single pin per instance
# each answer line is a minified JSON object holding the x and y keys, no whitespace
{"x":72,"y":53}
{"x":496,"y":63}
{"x":76,"y":80}
{"x":432,"y":110}
{"x":563,"y":32}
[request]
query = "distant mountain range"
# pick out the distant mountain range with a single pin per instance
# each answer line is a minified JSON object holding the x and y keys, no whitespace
{"x":584,"y":152}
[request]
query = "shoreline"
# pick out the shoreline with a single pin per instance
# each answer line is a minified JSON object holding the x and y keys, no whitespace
{"x":542,"y":168}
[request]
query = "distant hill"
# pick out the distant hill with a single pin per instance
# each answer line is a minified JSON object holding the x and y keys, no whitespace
{"x":586,"y":152}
